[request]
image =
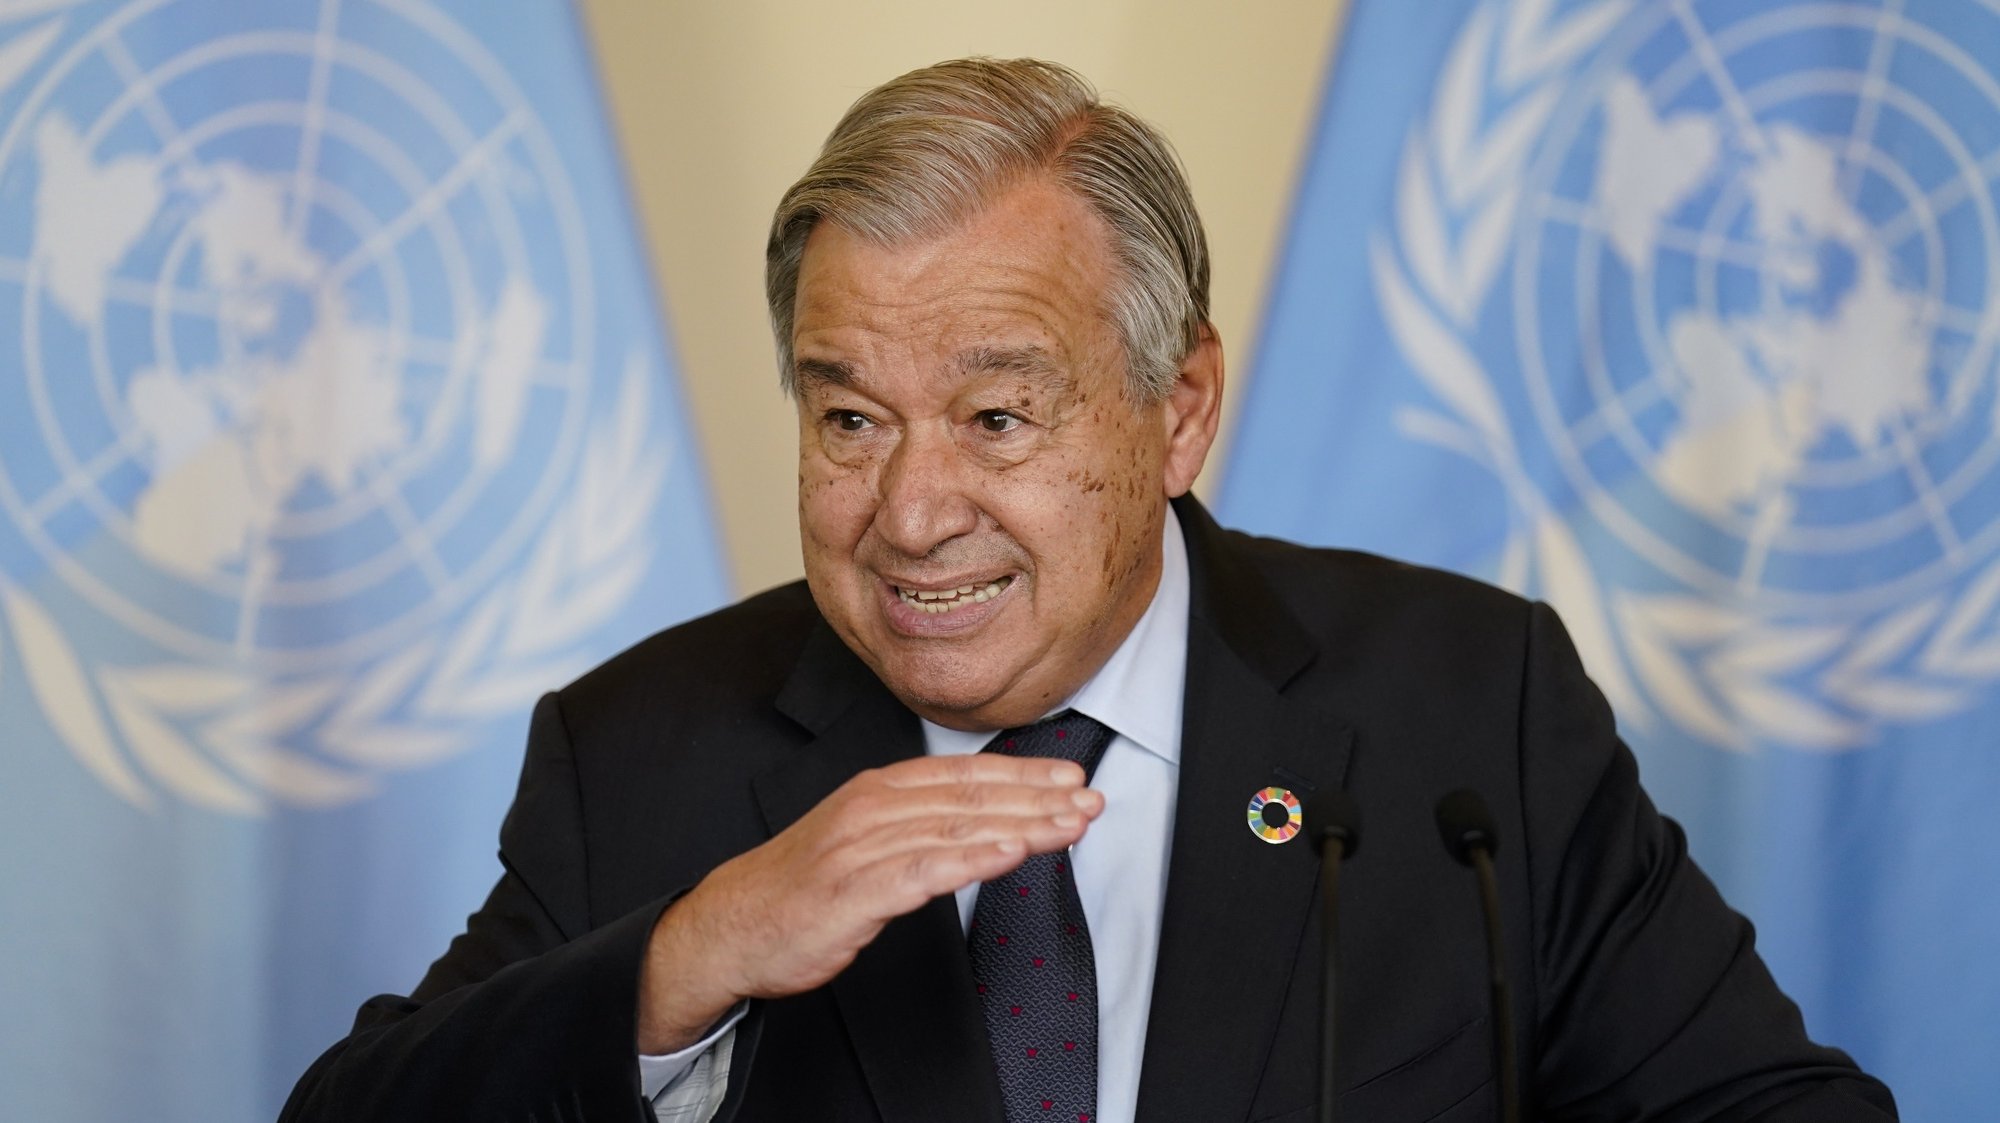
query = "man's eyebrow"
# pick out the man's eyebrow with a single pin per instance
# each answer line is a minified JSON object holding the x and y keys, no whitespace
{"x":821,"y":370}
{"x":1029,"y":360}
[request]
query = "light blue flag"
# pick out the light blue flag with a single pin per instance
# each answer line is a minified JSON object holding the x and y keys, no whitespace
{"x":1682,"y":314}
{"x":335,"y":425}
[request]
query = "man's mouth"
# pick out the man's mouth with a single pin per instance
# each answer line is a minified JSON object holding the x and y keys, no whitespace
{"x":942,"y":601}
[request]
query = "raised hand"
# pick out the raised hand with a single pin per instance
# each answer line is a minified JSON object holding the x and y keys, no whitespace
{"x":791,"y":914}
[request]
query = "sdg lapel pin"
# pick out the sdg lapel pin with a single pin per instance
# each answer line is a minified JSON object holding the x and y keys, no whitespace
{"x":1275,"y":815}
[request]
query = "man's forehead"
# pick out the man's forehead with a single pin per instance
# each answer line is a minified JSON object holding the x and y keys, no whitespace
{"x":1018,"y":288}
{"x":1031,"y":361}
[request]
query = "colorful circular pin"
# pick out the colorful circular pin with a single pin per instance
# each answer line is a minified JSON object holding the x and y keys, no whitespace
{"x":1275,"y":815}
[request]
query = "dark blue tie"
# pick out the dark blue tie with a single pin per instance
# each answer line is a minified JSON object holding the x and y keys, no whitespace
{"x":1031,"y":956}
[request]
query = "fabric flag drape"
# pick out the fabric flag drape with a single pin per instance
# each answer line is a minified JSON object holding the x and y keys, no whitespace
{"x":335,"y":425}
{"x":1682,"y":314}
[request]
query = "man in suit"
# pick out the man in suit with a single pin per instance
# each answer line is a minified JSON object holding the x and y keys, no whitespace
{"x":953,"y":830}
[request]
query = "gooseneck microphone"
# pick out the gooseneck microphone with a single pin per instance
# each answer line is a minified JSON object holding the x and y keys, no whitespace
{"x":1468,"y":832}
{"x":1336,"y":833}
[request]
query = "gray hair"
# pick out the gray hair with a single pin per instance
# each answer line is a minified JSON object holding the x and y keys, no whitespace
{"x":918,"y":155}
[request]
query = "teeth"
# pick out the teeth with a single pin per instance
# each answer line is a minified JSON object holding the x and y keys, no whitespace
{"x":939,"y":603}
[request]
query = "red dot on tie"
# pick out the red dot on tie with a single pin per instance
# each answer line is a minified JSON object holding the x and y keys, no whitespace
{"x":1072,"y":996}
{"x":1061,"y":734}
{"x":982,"y":988}
{"x":1047,"y":1104}
{"x":1069,"y":1046}
{"x":1002,"y":940}
{"x":1070,"y":928}
{"x":1022,"y":890}
{"x":1039,"y":961}
{"x":1014,"y":1010}
{"x":1032,"y":1050}
{"x":1059,"y":867}
{"x":1010,"y":742}
{"x":1082,"y":1117}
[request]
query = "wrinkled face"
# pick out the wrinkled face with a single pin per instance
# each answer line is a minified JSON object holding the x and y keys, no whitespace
{"x":980,"y":499}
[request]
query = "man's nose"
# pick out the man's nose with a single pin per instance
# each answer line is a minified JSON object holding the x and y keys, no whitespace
{"x":925,"y":501}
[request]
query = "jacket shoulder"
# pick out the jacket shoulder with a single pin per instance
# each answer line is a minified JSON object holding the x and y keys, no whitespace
{"x":1336,"y":591}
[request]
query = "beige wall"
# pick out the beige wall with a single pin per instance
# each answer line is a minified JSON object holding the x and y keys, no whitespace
{"x":720,"y":105}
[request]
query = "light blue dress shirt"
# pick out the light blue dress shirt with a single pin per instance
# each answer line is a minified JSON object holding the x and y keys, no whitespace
{"x":1120,"y":863}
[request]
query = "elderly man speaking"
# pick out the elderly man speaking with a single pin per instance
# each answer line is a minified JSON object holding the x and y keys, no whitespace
{"x":955,"y":828}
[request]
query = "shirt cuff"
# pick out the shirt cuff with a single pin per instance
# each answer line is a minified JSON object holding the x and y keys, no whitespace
{"x":657,"y":1072}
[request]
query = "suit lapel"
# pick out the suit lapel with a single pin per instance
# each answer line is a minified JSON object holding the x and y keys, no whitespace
{"x":907,"y":1000}
{"x":1236,"y":905}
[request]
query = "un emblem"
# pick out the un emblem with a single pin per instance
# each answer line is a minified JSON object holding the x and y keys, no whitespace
{"x":1712,"y":287}
{"x":303,"y":321}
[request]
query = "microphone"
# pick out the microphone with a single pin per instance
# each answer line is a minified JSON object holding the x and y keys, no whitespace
{"x":1472,"y":840}
{"x":1336,"y":833}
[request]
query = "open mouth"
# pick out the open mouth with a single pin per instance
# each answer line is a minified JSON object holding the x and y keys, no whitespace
{"x":948,"y":600}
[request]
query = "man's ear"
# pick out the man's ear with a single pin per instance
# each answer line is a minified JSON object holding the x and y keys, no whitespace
{"x":1193,"y":410}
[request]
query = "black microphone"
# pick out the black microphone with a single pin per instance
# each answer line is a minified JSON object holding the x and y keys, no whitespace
{"x":1336,"y":833}
{"x":1469,"y":835}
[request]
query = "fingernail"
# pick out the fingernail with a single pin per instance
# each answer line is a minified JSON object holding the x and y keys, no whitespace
{"x":1011,"y":846}
{"x":1060,"y":773}
{"x":1083,"y":797}
{"x":1068,"y":819}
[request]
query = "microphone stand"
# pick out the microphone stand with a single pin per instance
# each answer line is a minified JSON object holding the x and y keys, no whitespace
{"x":1469,"y":834}
{"x":1496,"y":974}
{"x":1337,"y":836}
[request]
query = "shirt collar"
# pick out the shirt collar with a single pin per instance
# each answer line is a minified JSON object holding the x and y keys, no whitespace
{"x":1138,"y":690}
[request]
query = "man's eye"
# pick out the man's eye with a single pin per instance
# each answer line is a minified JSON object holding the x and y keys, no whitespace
{"x":998,"y":421}
{"x":847,"y":420}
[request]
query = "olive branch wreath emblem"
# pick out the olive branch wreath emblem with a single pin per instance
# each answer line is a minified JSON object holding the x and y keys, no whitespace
{"x":1728,"y":674}
{"x":231,"y":741}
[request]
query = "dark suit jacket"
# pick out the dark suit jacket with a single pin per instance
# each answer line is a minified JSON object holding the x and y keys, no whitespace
{"x":1637,"y":994}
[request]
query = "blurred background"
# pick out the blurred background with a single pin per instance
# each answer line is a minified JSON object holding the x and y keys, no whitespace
{"x":368,"y":367}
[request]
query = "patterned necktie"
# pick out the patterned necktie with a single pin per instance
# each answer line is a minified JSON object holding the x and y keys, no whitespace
{"x":1031,"y":956}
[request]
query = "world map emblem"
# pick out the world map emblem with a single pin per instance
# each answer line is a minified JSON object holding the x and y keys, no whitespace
{"x":313,"y":461}
{"x":1710,"y":289}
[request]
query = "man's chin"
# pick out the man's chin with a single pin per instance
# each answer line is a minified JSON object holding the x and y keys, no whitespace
{"x":946,"y":694}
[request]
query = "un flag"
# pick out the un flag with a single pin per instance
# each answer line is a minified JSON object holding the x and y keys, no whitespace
{"x":334,"y":427}
{"x":1683,"y":316}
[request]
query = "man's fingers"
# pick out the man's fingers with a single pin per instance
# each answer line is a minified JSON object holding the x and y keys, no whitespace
{"x":887,"y":842}
{"x":897,"y":870}
{"x":903,"y":882}
{"x":866,"y":808}
{"x":981,"y":768}
{"x":1038,"y":833}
